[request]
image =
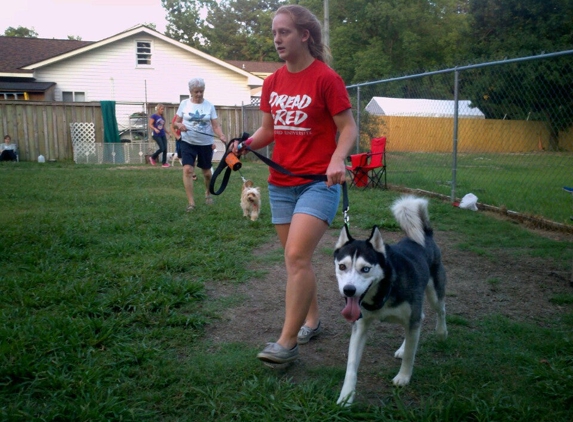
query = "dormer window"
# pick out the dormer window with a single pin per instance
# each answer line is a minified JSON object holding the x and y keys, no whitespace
{"x":143,"y":53}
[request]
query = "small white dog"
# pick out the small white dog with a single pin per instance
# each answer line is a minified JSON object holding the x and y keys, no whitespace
{"x":251,"y":200}
{"x":171,"y":157}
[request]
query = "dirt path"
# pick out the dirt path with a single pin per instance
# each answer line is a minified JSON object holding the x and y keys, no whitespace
{"x":517,"y":289}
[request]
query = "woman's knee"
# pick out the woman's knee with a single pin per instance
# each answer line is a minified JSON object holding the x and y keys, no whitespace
{"x":297,"y":258}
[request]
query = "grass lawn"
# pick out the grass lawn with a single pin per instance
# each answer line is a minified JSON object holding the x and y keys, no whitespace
{"x":103,"y":311}
{"x":527,"y":183}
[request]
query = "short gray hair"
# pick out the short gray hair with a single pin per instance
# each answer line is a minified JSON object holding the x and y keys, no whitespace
{"x":196,"y":83}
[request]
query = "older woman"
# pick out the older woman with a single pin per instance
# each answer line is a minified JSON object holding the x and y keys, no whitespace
{"x":197,"y":121}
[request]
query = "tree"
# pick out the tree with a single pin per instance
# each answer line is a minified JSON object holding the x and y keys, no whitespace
{"x":227,"y":29}
{"x":373,"y":39}
{"x":74,"y":37}
{"x":20,"y":32}
{"x":530,"y":90}
{"x":185,"y":21}
{"x":241,"y":29}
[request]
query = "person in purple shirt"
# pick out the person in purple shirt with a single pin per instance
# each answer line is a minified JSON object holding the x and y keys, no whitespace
{"x":159,"y":132}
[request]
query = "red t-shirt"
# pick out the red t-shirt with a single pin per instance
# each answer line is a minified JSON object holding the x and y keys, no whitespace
{"x":177,"y":131}
{"x":302,"y":105}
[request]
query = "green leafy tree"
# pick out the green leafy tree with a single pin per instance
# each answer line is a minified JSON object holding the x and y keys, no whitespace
{"x":373,"y":39}
{"x":74,"y":37}
{"x":185,"y":22}
{"x":20,"y":32}
{"x":531,"y":90}
{"x":227,"y":29}
{"x":241,"y":29}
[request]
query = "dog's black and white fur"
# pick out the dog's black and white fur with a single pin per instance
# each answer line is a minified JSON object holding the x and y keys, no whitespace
{"x":388,"y":282}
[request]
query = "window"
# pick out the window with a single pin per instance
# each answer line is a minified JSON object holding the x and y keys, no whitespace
{"x":143,"y":53}
{"x":69,"y":97}
{"x":183,"y":97}
{"x":14,"y":96}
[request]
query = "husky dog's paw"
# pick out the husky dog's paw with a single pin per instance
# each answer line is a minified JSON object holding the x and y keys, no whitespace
{"x":399,"y":354}
{"x":442,"y":334}
{"x":346,"y":399}
{"x":401,"y":380}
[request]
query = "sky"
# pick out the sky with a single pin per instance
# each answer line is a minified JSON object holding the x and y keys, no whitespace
{"x":92,"y":20}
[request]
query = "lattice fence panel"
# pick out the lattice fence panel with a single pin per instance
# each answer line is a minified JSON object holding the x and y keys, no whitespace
{"x":83,"y":142}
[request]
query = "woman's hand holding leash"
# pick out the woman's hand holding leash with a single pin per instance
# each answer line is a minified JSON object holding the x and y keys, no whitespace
{"x":336,"y":172}
{"x":240,"y":148}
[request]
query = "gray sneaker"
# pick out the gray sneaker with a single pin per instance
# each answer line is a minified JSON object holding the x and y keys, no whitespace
{"x":276,"y":354}
{"x":306,"y":333}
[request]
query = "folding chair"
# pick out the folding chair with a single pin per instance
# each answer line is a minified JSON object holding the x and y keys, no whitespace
{"x":368,"y":168}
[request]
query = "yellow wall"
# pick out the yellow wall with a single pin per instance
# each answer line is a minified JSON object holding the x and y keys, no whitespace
{"x":431,"y":134}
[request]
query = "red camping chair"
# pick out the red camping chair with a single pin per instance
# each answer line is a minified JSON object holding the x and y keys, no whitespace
{"x":367,"y":169}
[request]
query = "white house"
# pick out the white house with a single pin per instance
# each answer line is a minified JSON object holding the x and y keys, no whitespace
{"x":386,"y":106}
{"x":139,"y":65}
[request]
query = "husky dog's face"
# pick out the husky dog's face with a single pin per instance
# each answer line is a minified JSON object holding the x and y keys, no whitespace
{"x":357,"y":265}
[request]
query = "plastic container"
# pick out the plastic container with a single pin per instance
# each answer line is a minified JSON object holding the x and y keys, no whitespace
{"x":41,"y":159}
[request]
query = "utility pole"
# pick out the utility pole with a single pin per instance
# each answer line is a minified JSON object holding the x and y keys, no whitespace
{"x":326,"y":25}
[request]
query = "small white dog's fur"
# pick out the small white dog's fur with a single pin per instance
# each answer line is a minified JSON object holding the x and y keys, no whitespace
{"x":251,"y":200}
{"x":171,"y":157}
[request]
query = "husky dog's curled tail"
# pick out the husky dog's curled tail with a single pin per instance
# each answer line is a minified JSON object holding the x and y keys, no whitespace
{"x":411,"y":213}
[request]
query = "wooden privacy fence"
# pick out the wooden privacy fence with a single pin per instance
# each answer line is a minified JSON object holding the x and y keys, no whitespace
{"x":434,"y":134}
{"x":43,"y":128}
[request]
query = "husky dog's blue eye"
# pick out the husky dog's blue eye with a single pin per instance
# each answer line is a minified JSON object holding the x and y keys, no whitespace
{"x":342,"y":267}
{"x":365,"y":269}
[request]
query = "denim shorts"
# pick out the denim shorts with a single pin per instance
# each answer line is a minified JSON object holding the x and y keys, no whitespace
{"x":312,"y":198}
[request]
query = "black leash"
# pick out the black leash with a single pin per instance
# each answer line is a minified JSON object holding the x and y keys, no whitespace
{"x":233,"y":164}
{"x":223,"y":164}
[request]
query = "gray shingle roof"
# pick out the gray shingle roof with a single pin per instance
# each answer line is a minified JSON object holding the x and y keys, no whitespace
{"x":26,"y":86}
{"x":256,"y":67}
{"x":17,"y":52}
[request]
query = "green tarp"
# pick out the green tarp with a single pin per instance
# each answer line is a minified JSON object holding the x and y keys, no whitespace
{"x":111,"y":153}
{"x":110,"y":132}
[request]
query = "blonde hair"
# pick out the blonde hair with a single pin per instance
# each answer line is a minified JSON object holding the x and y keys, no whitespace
{"x":158,"y":106}
{"x":304,"y":19}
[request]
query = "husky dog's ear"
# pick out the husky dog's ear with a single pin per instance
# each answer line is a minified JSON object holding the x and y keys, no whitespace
{"x":344,"y":237}
{"x":376,"y":240}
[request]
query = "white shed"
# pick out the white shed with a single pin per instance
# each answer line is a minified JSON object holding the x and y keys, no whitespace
{"x":386,"y":106}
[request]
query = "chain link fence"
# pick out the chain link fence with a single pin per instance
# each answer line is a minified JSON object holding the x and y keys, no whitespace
{"x":500,"y":130}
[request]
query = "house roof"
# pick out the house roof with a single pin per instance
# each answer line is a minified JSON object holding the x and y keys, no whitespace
{"x":253,"y":80}
{"x":18,"y":52}
{"x":262,"y":69}
{"x":386,"y":106}
{"x":26,"y":86}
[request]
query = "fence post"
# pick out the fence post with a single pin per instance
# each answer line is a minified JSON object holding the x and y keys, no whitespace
{"x":358,"y":119}
{"x":455,"y":136}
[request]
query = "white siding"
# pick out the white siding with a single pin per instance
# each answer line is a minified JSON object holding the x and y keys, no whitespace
{"x":111,"y":73}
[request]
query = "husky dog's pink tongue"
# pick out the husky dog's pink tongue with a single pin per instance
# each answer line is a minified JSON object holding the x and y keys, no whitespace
{"x":352,"y":309}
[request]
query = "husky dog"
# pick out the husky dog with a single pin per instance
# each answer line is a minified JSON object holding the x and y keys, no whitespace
{"x":251,"y":200}
{"x":387,"y":282}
